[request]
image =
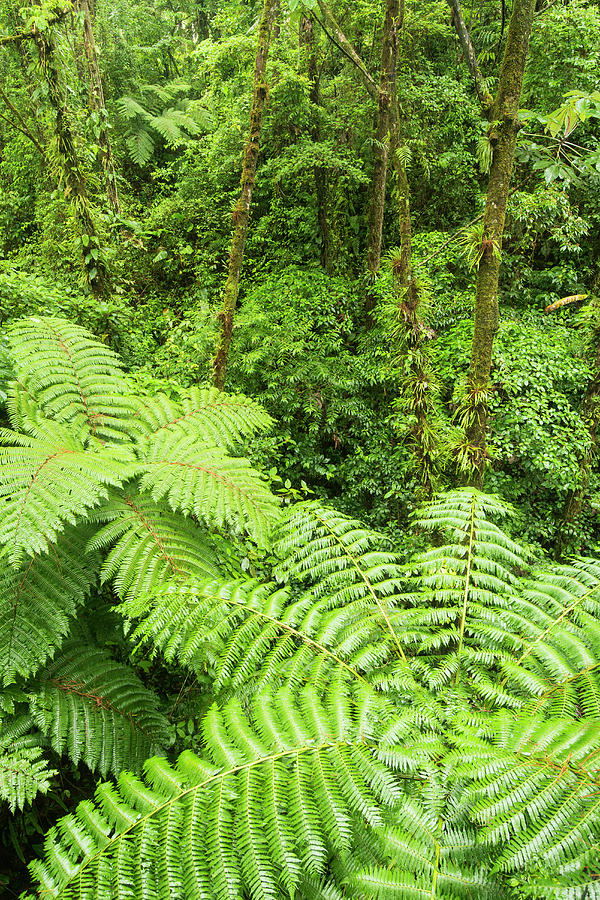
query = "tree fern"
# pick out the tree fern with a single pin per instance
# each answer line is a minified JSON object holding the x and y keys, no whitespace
{"x":24,"y":772}
{"x":47,"y":480}
{"x":84,"y":473}
{"x":161,"y":112}
{"x":379,"y":730}
{"x":220,"y":489}
{"x":224,"y":419}
{"x":150,"y":545}
{"x":72,"y":377}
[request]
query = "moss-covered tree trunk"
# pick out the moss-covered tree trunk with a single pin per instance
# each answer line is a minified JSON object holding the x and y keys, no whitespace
{"x":418,"y":386}
{"x":99,"y":107}
{"x":309,"y":64}
{"x":241,"y":212}
{"x":503,"y":131}
{"x":70,"y":171}
{"x":389,"y":52}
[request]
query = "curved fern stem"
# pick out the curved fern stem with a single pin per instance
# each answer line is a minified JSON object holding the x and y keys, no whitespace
{"x":378,"y":603}
{"x":467,"y":588}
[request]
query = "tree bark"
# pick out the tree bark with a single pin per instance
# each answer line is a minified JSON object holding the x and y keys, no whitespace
{"x":308,"y":60}
{"x":241,"y":212}
{"x":484,"y":96}
{"x":503,"y":138}
{"x":71,"y":173}
{"x":389,"y":53}
{"x":99,"y":106}
{"x":418,"y":386}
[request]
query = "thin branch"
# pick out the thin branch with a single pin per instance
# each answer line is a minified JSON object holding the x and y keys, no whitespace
{"x":21,"y":125}
{"x":343,"y":44}
{"x":485,"y":98}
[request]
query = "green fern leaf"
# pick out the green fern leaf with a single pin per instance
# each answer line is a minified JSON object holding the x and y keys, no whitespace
{"x":217,"y":488}
{"x":201,"y":823}
{"x":152,"y":545}
{"x":221,"y":420}
{"x":24,"y":773}
{"x":141,"y":146}
{"x":48,"y":480}
{"x":73,"y":377}
{"x":96,"y":710}
{"x":38,"y":600}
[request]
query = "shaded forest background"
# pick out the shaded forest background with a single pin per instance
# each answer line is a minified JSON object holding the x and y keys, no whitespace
{"x":123,"y":134}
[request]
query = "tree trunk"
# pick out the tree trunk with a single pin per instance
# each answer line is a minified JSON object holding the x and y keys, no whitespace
{"x":484,"y":96}
{"x":70,"y":173}
{"x":308,"y":61}
{"x":337,"y":37}
{"x":389,"y":52}
{"x":99,"y":106}
{"x":241,"y":213}
{"x":418,"y":386}
{"x":503,"y":138}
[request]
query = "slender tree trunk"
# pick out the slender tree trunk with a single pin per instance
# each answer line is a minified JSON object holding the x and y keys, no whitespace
{"x":337,"y":36}
{"x":389,"y":52}
{"x":485,"y":98}
{"x":419,"y":385}
{"x":71,"y":174}
{"x":99,"y":106}
{"x":503,"y":138}
{"x":241,"y":213}
{"x":308,"y":60}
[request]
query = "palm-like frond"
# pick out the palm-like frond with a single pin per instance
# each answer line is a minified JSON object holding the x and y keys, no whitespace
{"x":220,"y":489}
{"x":150,"y":545}
{"x":429,"y":852}
{"x":249,"y":632}
{"x":223,"y":420}
{"x":536,"y":792}
{"x":23,"y":771}
{"x":341,"y":563}
{"x":47,"y":480}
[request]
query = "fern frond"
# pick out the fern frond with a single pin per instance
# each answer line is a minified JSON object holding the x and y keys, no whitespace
{"x":38,"y":599}
{"x":24,"y":774}
{"x":47,"y":480}
{"x":249,"y":632}
{"x":173,"y":124}
{"x":198,"y":830}
{"x":140,"y":146}
{"x":222,"y":420}
{"x":150,"y":545}
{"x":222,"y":490}
{"x":428,"y":854}
{"x":72,"y":376}
{"x":340,"y":562}
{"x":96,"y":710}
{"x":463,"y":588}
{"x":536,"y":791}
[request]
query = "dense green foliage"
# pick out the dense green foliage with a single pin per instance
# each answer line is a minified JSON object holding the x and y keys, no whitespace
{"x":277,"y":640}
